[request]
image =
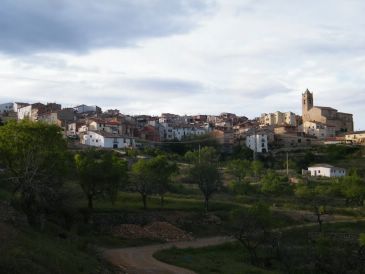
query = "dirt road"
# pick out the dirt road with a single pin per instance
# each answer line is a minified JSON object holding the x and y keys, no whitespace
{"x":140,"y":260}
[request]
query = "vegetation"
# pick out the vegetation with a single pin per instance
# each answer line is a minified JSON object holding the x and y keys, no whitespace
{"x":205,"y":172}
{"x":34,"y":157}
{"x":300,"y":250}
{"x":54,"y":188}
{"x":101,"y":174}
{"x":227,"y":258}
{"x":152,"y":176}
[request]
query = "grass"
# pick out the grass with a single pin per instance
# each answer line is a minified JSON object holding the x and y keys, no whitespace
{"x":223,"y":259}
{"x":233,"y":258}
{"x":132,"y":202}
{"x":31,"y":252}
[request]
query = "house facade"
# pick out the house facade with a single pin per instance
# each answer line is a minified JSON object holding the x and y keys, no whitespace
{"x":6,"y":108}
{"x":324,"y":170}
{"x":258,"y":142}
{"x":104,"y":139}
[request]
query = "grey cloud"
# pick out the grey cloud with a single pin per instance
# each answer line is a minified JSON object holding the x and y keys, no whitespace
{"x":162,"y":85}
{"x":78,"y":26}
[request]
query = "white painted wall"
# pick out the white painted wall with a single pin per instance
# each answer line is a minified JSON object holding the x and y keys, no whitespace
{"x":6,"y":107}
{"x":97,"y":140}
{"x":24,"y":112}
{"x":327,"y":171}
{"x":258,"y":142}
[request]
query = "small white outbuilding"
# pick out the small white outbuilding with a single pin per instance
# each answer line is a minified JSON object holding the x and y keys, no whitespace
{"x":325,"y":170}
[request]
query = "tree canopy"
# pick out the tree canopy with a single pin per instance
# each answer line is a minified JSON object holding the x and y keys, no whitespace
{"x":152,"y":176}
{"x":34,"y":157}
{"x":101,"y":174}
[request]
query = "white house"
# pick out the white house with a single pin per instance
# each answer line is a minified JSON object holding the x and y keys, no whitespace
{"x":25,"y":112}
{"x":18,"y":105}
{"x":107,"y":140}
{"x":6,"y":108}
{"x":325,"y":170}
{"x":258,"y":142}
{"x":181,"y":132}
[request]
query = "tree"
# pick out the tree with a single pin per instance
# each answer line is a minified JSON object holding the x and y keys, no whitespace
{"x":205,"y":154}
{"x":142,"y":178}
{"x":316,"y":198}
{"x":253,"y":228}
{"x":162,"y":170}
{"x":353,"y":188}
{"x":101,"y":174}
{"x":272,"y":183}
{"x":239,"y":169}
{"x":207,"y":176}
{"x":152,"y":176}
{"x":34,"y":157}
{"x":204,"y":171}
{"x":256,"y":168}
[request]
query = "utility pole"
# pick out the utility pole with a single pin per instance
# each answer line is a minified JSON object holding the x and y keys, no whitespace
{"x":287,"y":163}
{"x":255,"y":144}
{"x":199,"y":153}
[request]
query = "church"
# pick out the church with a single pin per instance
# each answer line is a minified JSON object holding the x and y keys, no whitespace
{"x":343,"y":122}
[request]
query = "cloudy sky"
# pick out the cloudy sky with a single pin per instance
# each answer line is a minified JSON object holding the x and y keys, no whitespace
{"x":185,"y":56}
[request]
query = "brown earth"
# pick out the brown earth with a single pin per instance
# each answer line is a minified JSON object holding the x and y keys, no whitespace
{"x":157,"y":230}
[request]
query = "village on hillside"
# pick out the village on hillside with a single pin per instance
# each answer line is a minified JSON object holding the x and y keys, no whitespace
{"x":92,"y":126}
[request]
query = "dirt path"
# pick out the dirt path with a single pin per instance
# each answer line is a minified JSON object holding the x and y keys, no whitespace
{"x":140,"y":260}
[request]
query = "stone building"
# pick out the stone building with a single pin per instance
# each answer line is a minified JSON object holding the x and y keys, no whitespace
{"x":343,"y":122}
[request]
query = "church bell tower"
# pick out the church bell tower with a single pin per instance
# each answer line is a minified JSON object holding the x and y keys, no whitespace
{"x":307,"y":104}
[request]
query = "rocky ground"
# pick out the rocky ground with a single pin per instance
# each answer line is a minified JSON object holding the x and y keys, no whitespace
{"x":156,"y":230}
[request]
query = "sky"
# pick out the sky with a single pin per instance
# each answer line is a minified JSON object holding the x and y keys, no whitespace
{"x":185,"y":56}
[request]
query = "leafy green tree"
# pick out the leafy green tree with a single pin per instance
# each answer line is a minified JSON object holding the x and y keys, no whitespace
{"x":162,"y":170}
{"x":316,"y":198}
{"x":257,"y":168}
{"x":239,"y":169}
{"x":207,"y":176}
{"x":252,"y":228}
{"x":242,"y":152}
{"x":353,"y":188}
{"x":152,"y":176}
{"x":272,"y":183}
{"x":34,"y":157}
{"x":101,"y":174}
{"x":205,"y":172}
{"x":205,"y":154}
{"x":141,"y":178}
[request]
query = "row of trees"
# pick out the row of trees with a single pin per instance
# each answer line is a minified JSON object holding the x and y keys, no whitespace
{"x":37,"y":163}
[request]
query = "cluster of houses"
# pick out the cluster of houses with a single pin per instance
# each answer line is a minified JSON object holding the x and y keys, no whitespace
{"x":112,"y":129}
